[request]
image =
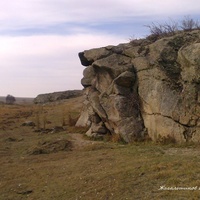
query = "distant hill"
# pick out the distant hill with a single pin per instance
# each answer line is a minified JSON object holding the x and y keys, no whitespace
{"x":19,"y":100}
{"x":55,"y":96}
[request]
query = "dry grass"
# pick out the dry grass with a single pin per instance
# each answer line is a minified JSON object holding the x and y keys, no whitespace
{"x":98,"y":170}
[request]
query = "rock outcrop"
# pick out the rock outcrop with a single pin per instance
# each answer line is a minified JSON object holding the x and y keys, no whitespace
{"x":144,"y":88}
{"x":51,"y":97}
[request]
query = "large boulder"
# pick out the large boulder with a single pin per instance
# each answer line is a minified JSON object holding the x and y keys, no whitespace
{"x":145,"y":88}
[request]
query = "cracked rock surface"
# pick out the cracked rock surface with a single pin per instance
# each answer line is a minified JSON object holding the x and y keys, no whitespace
{"x":144,"y":88}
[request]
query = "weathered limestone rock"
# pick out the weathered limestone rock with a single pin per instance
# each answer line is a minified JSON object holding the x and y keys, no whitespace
{"x":88,"y":57}
{"x":55,"y":96}
{"x":89,"y":75}
{"x":145,"y":87}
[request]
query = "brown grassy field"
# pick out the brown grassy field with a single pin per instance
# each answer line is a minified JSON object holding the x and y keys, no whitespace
{"x":64,"y":165}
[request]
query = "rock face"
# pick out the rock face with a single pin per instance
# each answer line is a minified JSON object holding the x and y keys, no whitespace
{"x":50,"y":97}
{"x":144,"y":88}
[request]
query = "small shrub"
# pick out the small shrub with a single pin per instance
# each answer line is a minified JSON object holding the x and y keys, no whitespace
{"x":157,"y":30}
{"x":170,"y":28}
{"x":10,"y":99}
{"x":161,"y":30}
{"x":134,"y":41}
{"x":188,"y":24}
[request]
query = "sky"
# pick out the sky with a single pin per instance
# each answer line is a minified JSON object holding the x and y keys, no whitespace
{"x":40,"y":39}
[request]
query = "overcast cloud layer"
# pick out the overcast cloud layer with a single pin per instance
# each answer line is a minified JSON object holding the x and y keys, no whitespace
{"x":40,"y":39}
